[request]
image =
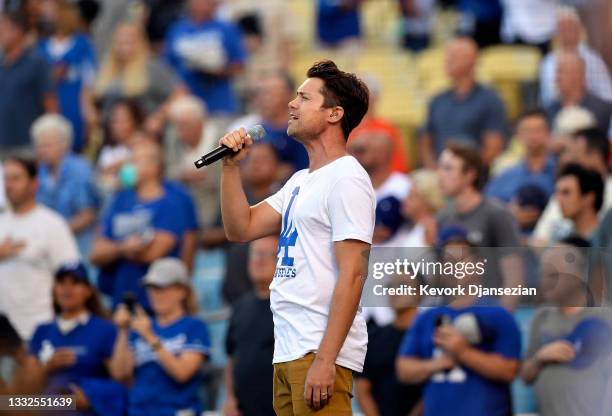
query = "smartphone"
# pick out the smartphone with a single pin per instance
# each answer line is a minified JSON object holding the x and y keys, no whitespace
{"x":130,"y":301}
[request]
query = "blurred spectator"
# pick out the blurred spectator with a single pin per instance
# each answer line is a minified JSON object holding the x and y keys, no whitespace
{"x":193,"y":137}
{"x":527,"y":206}
{"x":207,"y":53}
{"x":3,"y":203}
{"x":569,"y":355}
{"x":379,"y":392}
{"x":65,"y":180}
{"x":34,"y":242}
{"x":259,"y":171}
{"x":420,"y":207}
{"x":569,"y":38}
{"x":270,"y":98}
{"x":538,"y":166}
{"x":73,"y":63}
{"x":580,"y":192}
{"x":529,"y":22}
{"x":374,"y":151}
{"x":468,"y":111}
{"x":373,"y":123}
{"x":590,"y":149}
{"x":25,"y":82}
{"x":161,"y":15}
{"x":162,"y":355}
{"x":567,"y":122}
{"x":72,"y":353}
{"x":125,"y":118}
{"x":416,"y":23}
{"x":131,"y":71}
{"x":249,"y":342}
{"x":488,"y":223}
{"x":467,"y":354}
{"x":572,"y":91}
{"x":13,"y":357}
{"x":140,"y":226}
{"x":481,"y":20}
{"x":338,"y":22}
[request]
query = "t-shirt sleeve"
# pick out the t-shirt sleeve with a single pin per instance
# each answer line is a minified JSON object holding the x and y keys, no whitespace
{"x":411,"y":344}
{"x":277,"y":200}
{"x":197,"y":338}
{"x":233,"y":45}
{"x":508,"y":337}
{"x":351,"y":205}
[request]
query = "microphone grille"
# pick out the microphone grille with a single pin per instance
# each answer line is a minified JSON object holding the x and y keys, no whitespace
{"x":257,"y":132}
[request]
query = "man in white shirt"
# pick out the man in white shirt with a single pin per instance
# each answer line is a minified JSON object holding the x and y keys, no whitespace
{"x":325,"y":216}
{"x":34,"y":242}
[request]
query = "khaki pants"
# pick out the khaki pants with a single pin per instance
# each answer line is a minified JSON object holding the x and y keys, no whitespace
{"x":289,"y":381}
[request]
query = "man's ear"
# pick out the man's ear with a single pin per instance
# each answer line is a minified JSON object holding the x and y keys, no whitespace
{"x":336,"y":114}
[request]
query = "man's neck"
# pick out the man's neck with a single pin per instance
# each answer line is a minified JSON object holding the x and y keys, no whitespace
{"x":25,"y":208}
{"x":150,"y":190}
{"x":73,"y":313}
{"x":464,"y":85}
{"x":327,"y":148}
{"x":536,"y":160}
{"x":262,"y":291}
{"x":467,"y":200}
{"x":586,"y":223}
{"x":380,"y":176}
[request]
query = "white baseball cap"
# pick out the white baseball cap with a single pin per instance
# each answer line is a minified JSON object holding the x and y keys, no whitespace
{"x":166,"y":272}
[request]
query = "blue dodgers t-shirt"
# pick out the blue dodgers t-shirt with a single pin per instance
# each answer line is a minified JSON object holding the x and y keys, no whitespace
{"x":460,"y":391}
{"x":92,"y":342}
{"x":76,"y":60}
{"x":289,"y":150}
{"x":186,"y":38}
{"x":336,"y":23}
{"x":154,"y":392}
{"x":127,"y":216}
{"x":189,"y":214}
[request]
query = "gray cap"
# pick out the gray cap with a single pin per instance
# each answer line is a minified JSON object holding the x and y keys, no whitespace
{"x":165,"y":272}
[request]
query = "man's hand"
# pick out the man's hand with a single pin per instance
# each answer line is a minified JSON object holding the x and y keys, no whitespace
{"x":10,"y":248}
{"x":319,"y":386}
{"x":122,"y":317}
{"x":132,"y":246}
{"x":450,"y":340}
{"x":556,"y":352}
{"x":142,"y":324}
{"x":240,"y":142}
{"x":62,"y":358}
{"x":230,"y":408}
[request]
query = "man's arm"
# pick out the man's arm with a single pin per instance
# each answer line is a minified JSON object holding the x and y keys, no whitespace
{"x":426,"y":151}
{"x":344,"y":303}
{"x":365,"y":398}
{"x":492,"y":146}
{"x":242,"y":222}
{"x":412,"y":370}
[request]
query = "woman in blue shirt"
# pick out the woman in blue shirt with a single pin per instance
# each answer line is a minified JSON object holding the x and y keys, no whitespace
{"x":162,"y":356}
{"x":72,"y":353}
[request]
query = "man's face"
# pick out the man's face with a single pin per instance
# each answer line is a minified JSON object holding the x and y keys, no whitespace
{"x":460,"y":58}
{"x":145,"y":157}
{"x":569,"y":197}
{"x":568,"y":32}
{"x":271,"y":97}
{"x":578,"y":152}
{"x":188,"y":128}
{"x":20,"y":188}
{"x":570,"y":74}
{"x":307,"y":116}
{"x":262,"y":260}
{"x":201,"y":9}
{"x":372,"y":150}
{"x":9,"y":33}
{"x":50,"y":149}
{"x":534,"y":133}
{"x":453,"y":179}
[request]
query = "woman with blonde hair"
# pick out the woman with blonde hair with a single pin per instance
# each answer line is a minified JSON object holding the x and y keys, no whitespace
{"x":131,"y":71}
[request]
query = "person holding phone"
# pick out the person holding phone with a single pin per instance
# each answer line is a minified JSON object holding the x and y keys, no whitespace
{"x":71,"y":354}
{"x":162,"y":355}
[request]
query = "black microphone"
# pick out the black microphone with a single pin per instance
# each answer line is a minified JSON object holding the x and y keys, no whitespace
{"x":257,"y":132}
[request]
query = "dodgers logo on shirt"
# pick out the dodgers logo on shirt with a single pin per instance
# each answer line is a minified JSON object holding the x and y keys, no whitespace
{"x":287,"y":240}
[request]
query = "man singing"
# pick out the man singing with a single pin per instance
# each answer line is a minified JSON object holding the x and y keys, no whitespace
{"x":325,"y":217}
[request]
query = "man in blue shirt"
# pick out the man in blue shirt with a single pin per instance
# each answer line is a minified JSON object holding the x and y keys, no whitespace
{"x":466,"y":353}
{"x":65,"y":180}
{"x":144,"y":222}
{"x":338,"y":21}
{"x":206,"y":53}
{"x":538,"y":167}
{"x":24,"y":81}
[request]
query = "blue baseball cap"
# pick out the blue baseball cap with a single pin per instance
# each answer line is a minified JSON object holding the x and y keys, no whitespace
{"x":76,"y":270}
{"x":532,"y":195}
{"x":452,"y":233}
{"x":388,"y":213}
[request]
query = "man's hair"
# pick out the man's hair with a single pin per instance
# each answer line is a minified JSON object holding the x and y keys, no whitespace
{"x":342,"y":89}
{"x":471,"y":161}
{"x":596,"y":141}
{"x":588,"y":181}
{"x":533,"y":112}
{"x":28,"y":164}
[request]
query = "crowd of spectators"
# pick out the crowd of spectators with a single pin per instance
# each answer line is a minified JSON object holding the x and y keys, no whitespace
{"x":106,"y":104}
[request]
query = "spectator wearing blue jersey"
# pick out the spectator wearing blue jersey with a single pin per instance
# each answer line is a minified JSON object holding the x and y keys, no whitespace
{"x":162,"y":355}
{"x":206,"y":53}
{"x":72,"y":59}
{"x":65,"y":180}
{"x":143,"y":223}
{"x":466,"y":353}
{"x":338,"y":21}
{"x":189,"y":216}
{"x":72,"y":353}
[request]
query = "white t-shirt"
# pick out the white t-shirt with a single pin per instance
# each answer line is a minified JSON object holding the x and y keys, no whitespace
{"x":335,"y":202}
{"x":26,"y":279}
